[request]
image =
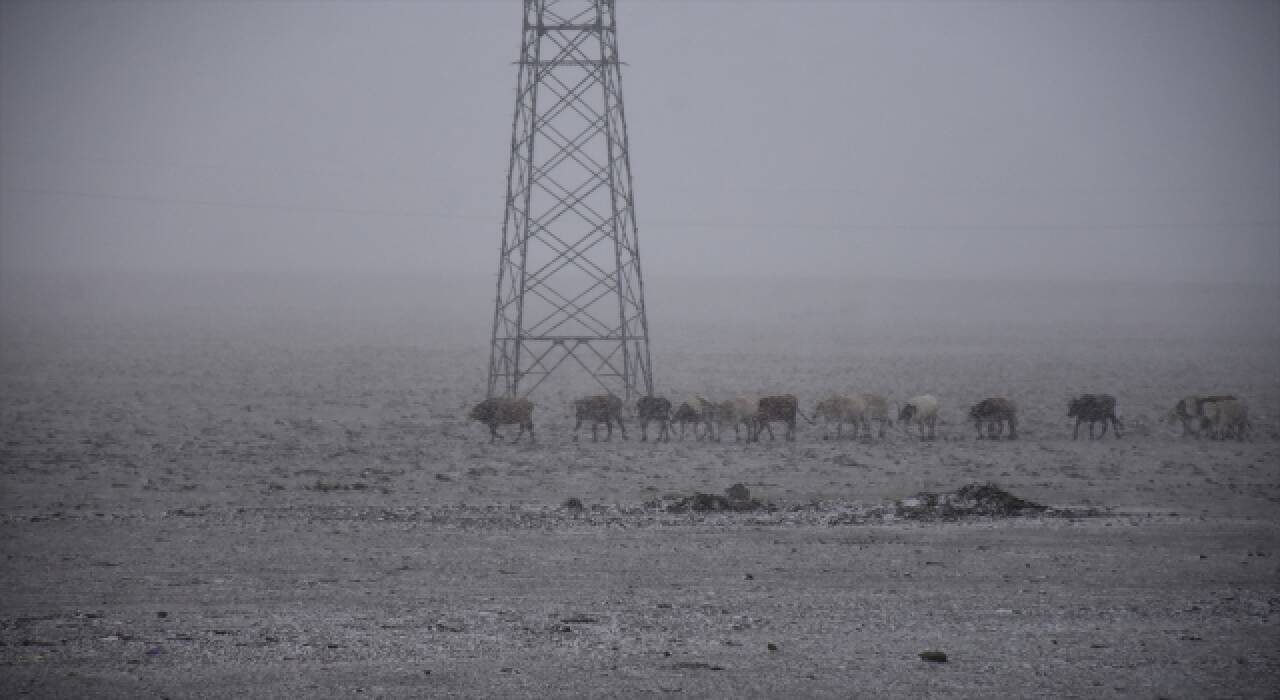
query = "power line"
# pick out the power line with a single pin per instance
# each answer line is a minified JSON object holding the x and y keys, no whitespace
{"x":659,"y":223}
{"x":153,"y":199}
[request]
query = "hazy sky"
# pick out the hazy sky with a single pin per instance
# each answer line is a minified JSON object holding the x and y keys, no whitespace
{"x":955,"y":139}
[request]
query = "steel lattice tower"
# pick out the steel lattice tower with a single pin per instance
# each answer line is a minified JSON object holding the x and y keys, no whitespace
{"x":569,"y":283}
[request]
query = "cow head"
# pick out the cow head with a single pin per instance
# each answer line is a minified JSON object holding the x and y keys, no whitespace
{"x":631,"y":409}
{"x":1073,"y":408}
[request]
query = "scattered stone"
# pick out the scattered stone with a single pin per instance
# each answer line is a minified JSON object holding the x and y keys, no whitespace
{"x":162,"y":614}
{"x":573,"y":504}
{"x":934,"y":656}
{"x":580,"y":619}
{"x":738,"y":492}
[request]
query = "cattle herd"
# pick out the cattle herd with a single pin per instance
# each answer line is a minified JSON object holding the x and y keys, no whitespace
{"x":1221,"y":416}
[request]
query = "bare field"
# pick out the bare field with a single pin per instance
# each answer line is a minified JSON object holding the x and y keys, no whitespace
{"x":208,"y":501}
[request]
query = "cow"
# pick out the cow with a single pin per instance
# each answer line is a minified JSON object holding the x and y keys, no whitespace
{"x":995,"y":412}
{"x":841,"y":409}
{"x":1228,"y":418}
{"x":1094,"y":408}
{"x":654,"y":408}
{"x":735,"y":412}
{"x":685,"y":415}
{"x":503,"y":411}
{"x":921,"y":410}
{"x":601,"y":408}
{"x":696,"y":411}
{"x":782,"y":408}
{"x":1193,"y":411}
{"x":877,"y":410}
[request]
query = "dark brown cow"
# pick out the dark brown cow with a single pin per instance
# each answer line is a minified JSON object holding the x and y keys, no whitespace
{"x":654,"y":408}
{"x":783,"y":408}
{"x":686,"y":414}
{"x":602,"y":408}
{"x":1094,"y":408}
{"x":503,"y":411}
{"x":995,"y":412}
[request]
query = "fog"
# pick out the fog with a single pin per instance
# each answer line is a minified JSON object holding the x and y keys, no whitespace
{"x":1112,"y":162}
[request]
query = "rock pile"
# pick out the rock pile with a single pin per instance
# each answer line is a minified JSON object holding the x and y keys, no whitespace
{"x":975,"y":499}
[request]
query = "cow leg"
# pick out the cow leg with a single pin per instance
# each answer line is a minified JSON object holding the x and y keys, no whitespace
{"x":622,"y":427}
{"x":1115,"y":425}
{"x":791,"y":430}
{"x":1013,"y":428}
{"x":576,"y":427}
{"x":493,"y":433}
{"x":644,"y":430}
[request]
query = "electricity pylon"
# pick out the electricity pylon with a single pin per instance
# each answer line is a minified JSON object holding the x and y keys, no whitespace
{"x":569,"y":283}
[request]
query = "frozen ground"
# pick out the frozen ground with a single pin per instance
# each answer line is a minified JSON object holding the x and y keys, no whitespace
{"x":267,"y":488}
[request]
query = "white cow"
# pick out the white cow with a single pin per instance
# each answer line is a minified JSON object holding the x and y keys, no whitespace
{"x":841,"y":409}
{"x":921,"y":410}
{"x":1228,"y":418}
{"x":877,"y":410}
